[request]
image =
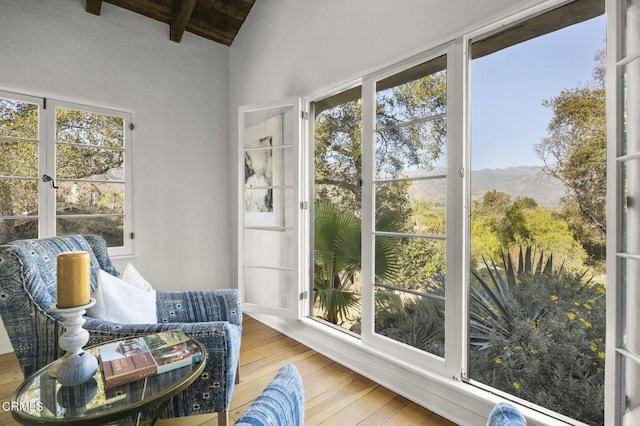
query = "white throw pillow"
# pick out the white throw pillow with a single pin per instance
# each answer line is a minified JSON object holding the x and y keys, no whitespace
{"x":120,"y":302}
{"x":133,"y":277}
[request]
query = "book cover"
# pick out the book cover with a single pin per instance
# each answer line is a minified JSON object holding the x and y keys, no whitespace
{"x":135,"y":358}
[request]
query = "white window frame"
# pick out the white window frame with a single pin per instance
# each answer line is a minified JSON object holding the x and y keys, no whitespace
{"x":46,"y":165}
{"x":452,"y":361}
{"x":616,"y":355}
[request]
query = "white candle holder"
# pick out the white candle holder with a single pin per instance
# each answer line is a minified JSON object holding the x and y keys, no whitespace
{"x":76,"y":366}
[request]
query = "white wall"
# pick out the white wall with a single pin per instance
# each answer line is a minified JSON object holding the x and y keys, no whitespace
{"x":178,"y":94}
{"x":292,"y":48}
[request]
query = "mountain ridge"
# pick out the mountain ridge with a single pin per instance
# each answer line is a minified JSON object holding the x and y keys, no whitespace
{"x":517,"y":181}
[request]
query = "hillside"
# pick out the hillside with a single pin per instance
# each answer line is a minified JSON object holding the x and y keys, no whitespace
{"x":524,"y":181}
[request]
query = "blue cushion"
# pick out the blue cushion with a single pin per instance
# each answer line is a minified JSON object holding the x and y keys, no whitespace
{"x":504,"y":414}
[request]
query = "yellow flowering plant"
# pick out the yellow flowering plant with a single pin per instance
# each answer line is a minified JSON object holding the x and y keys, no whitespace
{"x":538,"y":333}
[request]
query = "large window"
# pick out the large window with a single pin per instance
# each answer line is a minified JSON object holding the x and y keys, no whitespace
{"x":64,"y":170}
{"x":537,"y":225}
{"x":382,"y":213}
{"x":459,"y":219}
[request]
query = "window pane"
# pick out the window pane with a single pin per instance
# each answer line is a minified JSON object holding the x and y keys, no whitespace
{"x":89,"y":198}
{"x":90,"y":170}
{"x":410,"y":199}
{"x":631,"y":15}
{"x":89,"y":128}
{"x":18,"y":119}
{"x":278,"y":255}
{"x":414,"y":94}
{"x":410,"y":289}
{"x":275,"y":285}
{"x":411,"y":150}
{"x":411,"y":318}
{"x":538,"y":227}
{"x":18,"y":158}
{"x":110,"y":228}
{"x":630,"y":295}
{"x":629,"y":103}
{"x":18,"y":197}
{"x":18,"y":229}
{"x":336,"y":215}
{"x":411,"y":263}
{"x":418,"y":205}
{"x":73,"y":162}
{"x":630,"y":377}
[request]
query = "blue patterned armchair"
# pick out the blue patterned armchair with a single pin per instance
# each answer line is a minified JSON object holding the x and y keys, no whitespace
{"x":28,"y":290}
{"x":280,"y":404}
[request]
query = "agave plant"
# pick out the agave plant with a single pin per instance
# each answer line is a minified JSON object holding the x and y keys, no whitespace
{"x":495,"y":303}
{"x":538,"y":333}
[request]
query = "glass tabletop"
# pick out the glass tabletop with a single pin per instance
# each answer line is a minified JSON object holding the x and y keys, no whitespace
{"x":42,"y":399}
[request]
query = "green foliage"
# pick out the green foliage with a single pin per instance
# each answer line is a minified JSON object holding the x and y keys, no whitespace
{"x":418,"y":145}
{"x":338,"y":143}
{"x":419,"y":260}
{"x":575,"y":152}
{"x":418,"y":322}
{"x":337,"y":262}
{"x":337,"y":156}
{"x":498,"y":223}
{"x":537,"y":332}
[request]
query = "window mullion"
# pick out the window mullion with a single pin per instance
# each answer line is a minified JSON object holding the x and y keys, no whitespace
{"x":47,"y":194}
{"x":368,"y":210}
{"x":455,"y":314}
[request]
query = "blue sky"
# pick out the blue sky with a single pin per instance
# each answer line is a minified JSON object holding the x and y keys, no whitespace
{"x":508,"y":87}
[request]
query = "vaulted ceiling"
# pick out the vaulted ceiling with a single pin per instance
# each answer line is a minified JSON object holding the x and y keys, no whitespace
{"x":216,"y":20}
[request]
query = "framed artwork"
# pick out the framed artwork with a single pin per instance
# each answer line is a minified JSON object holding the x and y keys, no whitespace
{"x":263,"y":174}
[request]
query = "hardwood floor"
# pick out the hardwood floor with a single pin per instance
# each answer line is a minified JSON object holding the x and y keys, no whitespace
{"x":334,"y":395}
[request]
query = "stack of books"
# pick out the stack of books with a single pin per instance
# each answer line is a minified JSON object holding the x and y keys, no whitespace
{"x":135,"y":358}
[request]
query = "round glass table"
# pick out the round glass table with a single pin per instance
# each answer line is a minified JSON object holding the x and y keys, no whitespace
{"x":41,"y":399}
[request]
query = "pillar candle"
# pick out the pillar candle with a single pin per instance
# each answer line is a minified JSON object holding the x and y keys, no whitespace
{"x":73,"y":279}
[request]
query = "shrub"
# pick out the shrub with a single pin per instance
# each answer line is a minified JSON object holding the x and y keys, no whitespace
{"x":538,"y":333}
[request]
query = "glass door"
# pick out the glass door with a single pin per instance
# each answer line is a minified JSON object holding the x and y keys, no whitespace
{"x":623,"y":354}
{"x":269,"y":206}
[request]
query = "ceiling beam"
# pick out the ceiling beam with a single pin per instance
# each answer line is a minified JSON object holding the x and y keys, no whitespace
{"x":94,"y":6}
{"x":181,"y":19}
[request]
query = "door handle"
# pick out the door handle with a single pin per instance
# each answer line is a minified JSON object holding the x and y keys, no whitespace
{"x":47,"y":178}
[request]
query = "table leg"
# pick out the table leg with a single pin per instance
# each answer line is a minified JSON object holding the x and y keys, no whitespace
{"x":163,"y":406}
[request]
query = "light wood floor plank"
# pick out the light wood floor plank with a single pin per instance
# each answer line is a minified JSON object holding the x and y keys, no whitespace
{"x":334,"y":395}
{"x":361,"y":409}
{"x":386,"y":411}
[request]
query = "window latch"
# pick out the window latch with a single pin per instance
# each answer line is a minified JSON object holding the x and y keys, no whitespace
{"x":47,"y":178}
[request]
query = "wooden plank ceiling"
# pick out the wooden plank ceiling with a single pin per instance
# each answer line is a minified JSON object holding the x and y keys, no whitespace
{"x":216,"y":20}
